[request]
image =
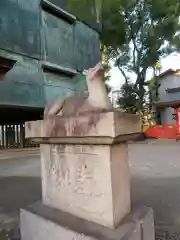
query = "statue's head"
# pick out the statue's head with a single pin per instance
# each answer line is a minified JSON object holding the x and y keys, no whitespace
{"x":95,"y":74}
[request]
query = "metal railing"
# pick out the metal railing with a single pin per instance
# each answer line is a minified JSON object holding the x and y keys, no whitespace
{"x":13,"y":136}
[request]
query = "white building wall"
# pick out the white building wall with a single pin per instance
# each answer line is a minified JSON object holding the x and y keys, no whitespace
{"x":167,"y":116}
{"x":170,"y":81}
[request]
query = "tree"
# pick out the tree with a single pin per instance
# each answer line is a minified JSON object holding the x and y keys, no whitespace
{"x":153,"y":84}
{"x":128,"y":98}
{"x":149,"y":27}
{"x":107,"y":68}
{"x":153,"y":91}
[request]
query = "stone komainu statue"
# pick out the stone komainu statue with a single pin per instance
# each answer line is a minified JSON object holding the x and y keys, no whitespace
{"x":97,"y":99}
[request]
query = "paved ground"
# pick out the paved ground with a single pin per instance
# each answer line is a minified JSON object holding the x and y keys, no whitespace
{"x":155,"y":171}
{"x":155,"y":180}
{"x":19,"y":185}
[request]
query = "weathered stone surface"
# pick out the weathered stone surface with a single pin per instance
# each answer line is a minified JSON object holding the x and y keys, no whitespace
{"x":35,"y":227}
{"x":40,"y":222}
{"x":107,"y":124}
{"x":146,"y":220}
{"x":91,"y":182}
{"x":148,"y":226}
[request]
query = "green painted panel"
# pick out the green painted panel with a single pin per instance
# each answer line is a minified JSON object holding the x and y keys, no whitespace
{"x":27,"y":85}
{"x":23,"y":86}
{"x":24,"y":74}
{"x":73,"y":46}
{"x":59,"y":81}
{"x":81,"y":84}
{"x":25,"y":61}
{"x":58,"y":36}
{"x":58,"y":87}
{"x":87,"y":47}
{"x":21,"y":94}
{"x":76,"y":83}
{"x":24,"y":70}
{"x":20,"y":26}
{"x":84,"y":12}
{"x":53,"y":93}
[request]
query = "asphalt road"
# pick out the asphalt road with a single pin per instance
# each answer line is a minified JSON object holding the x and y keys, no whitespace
{"x":155,"y":180}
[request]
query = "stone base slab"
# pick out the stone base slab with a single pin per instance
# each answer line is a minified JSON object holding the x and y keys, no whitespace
{"x":40,"y":222}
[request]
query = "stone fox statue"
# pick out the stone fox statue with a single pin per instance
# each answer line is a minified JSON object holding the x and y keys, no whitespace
{"x":97,"y":99}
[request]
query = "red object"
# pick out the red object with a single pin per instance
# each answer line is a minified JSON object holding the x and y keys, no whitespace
{"x":165,"y":131}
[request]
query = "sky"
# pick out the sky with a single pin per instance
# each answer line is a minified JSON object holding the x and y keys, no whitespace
{"x":116,"y":79}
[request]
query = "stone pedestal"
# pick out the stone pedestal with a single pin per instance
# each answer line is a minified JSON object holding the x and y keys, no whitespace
{"x":85,"y":170}
{"x":88,"y":181}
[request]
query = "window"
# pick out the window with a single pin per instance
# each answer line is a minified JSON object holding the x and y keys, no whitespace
{"x":173,"y":90}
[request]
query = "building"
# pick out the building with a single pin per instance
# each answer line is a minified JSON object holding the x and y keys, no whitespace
{"x":169,"y":95}
{"x":43,"y":50}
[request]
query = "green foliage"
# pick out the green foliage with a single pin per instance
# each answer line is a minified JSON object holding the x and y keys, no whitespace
{"x":153,"y":86}
{"x":107,"y":68}
{"x":146,"y":32}
{"x":113,"y":26}
{"x":128,"y":98}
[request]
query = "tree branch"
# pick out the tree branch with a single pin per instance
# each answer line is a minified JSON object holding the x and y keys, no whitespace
{"x":141,"y":77}
{"x":124,"y":75}
{"x":133,"y":37}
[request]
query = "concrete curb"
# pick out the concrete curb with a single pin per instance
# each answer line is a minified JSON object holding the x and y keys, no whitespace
{"x":19,"y":150}
{"x":19,"y":153}
{"x":155,"y":142}
{"x":18,"y":157}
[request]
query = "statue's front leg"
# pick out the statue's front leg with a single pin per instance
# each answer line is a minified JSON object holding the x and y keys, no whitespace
{"x":53,"y":109}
